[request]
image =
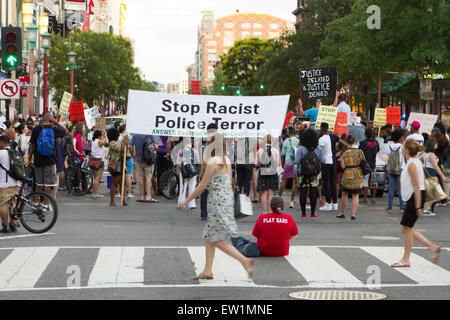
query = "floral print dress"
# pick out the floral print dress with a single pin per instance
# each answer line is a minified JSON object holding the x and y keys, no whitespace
{"x":221,"y":224}
{"x":352,"y":178}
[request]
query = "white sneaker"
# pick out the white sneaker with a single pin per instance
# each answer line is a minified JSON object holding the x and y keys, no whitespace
{"x":326,"y":207}
{"x":335,"y":206}
{"x":130,"y":195}
{"x":291,"y":204}
{"x":118,"y":196}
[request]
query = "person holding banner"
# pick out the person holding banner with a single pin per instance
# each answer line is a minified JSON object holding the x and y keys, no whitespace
{"x":268,"y":160}
{"x":221,"y":225}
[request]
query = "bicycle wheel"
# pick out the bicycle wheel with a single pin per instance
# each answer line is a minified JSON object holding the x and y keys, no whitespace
{"x":87,"y":180}
{"x":169,"y":184}
{"x":39,"y":212}
{"x":74,"y":186}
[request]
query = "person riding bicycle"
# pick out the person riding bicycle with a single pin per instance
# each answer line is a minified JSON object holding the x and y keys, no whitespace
{"x":8,"y":187}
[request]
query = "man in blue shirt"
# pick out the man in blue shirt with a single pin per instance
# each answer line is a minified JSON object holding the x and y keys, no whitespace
{"x":144,"y":171}
{"x":311,"y":113}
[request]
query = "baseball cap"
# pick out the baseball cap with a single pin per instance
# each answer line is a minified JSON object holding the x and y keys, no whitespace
{"x":415,"y":124}
{"x":3,"y":126}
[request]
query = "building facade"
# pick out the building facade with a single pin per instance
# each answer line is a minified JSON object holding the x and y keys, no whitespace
{"x":173,"y":88}
{"x":216,"y":37}
{"x":184,"y":87}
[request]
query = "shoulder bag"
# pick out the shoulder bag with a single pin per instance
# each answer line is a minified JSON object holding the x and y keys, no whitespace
{"x":433,"y":189}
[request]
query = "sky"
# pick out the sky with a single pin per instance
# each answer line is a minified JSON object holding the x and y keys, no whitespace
{"x":165,"y":31}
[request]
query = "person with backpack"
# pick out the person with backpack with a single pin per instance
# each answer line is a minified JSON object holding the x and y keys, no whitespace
{"x":394,"y":168}
{"x":288,"y":151}
{"x":12,"y":169}
{"x":352,"y":178}
{"x":370,"y":147}
{"x":308,"y":159}
{"x":42,"y":149}
{"x":189,"y":163}
{"x":143,"y":150}
{"x":268,"y":160}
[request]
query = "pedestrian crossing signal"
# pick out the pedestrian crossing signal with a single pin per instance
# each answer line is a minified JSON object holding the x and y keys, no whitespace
{"x":11,"y":48}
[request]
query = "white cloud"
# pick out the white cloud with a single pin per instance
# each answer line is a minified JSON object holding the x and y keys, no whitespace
{"x":165,"y":32}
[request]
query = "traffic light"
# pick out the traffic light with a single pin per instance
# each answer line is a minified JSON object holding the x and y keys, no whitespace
{"x":11,"y":48}
{"x":261,"y":87}
{"x":223,"y":88}
{"x":238,"y":92}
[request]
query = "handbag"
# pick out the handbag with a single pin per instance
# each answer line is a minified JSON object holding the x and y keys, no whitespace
{"x":433,"y":189}
{"x":242,"y":206}
{"x":94,"y":163}
{"x":365,"y":168}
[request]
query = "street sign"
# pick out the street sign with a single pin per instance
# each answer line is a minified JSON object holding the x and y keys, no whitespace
{"x":9,"y":89}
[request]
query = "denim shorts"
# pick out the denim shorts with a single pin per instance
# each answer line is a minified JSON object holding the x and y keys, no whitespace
{"x":129,"y":164}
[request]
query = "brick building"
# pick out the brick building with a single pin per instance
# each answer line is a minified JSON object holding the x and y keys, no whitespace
{"x":215,"y":37}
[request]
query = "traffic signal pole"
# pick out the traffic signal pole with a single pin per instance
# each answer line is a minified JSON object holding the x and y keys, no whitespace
{"x":31,"y":101}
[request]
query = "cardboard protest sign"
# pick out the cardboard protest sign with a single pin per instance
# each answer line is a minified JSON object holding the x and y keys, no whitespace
{"x":318,"y":83}
{"x":188,"y":115}
{"x":327,"y":114}
{"x":380,"y":118}
{"x":76,"y":111}
{"x":353,"y":117}
{"x":100,"y":124}
{"x":288,"y":119}
{"x":341,"y":126}
{"x":393,"y":116}
{"x":65,"y":104}
{"x":426,"y":121}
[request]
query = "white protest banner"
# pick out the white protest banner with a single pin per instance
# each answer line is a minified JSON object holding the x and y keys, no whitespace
{"x":189,"y":115}
{"x":426,"y":121}
{"x":90,"y":115}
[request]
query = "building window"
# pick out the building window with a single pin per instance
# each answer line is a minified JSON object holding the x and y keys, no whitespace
{"x":212,"y":57}
{"x":274,"y":26}
{"x":212,"y":43}
{"x":273,"y":35}
{"x":245,"y":34}
{"x":228,"y":35}
{"x":229,"y":25}
{"x":257,"y":34}
{"x":228,"y":43}
{"x":246,"y":25}
{"x":212,"y":51}
{"x":257,"y":26}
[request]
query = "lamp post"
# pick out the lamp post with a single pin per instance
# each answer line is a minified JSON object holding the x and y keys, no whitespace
{"x":72,"y":61}
{"x":46,"y":43}
{"x":32,"y":34}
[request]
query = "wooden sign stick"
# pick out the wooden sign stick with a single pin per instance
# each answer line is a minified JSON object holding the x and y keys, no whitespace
{"x":122,"y":189}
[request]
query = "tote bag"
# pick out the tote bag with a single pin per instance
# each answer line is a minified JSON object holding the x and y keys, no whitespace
{"x":243,"y":206}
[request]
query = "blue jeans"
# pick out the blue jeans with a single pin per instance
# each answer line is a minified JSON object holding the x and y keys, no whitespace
{"x":393,"y":181}
{"x":246,"y":247}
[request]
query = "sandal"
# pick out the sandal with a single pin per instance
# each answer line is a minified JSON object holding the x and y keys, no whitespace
{"x":202,"y":276}
{"x":151,"y":200}
{"x":435,"y":255}
{"x":400,"y":265}
{"x":342,"y":216}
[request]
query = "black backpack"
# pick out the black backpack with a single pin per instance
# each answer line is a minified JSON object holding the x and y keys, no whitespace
{"x":310,"y":165}
{"x":17,"y":169}
{"x":188,"y":167}
{"x":149,"y":151}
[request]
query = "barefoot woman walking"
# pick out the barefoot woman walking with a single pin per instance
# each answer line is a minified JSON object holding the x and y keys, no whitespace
{"x":413,"y":191}
{"x":221,"y":225}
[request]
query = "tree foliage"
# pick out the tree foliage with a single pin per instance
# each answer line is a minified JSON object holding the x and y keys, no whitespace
{"x":104,"y":68}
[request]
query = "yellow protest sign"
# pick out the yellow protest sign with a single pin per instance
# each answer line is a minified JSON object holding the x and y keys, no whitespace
{"x":327,"y":114}
{"x":380,"y":118}
{"x":65,"y":103}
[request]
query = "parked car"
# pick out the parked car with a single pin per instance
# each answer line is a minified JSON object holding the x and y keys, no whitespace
{"x":111,"y":120}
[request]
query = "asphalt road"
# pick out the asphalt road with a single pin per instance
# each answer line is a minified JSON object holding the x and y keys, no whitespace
{"x":151,"y":251}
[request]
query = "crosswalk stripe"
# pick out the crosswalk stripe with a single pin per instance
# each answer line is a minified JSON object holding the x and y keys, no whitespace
{"x":118,"y":265}
{"x":421,"y":271}
{"x":23,"y":267}
{"x":317,"y":267}
{"x":225,"y":268}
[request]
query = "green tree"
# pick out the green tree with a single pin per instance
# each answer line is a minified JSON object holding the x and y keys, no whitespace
{"x":104,"y":69}
{"x":241,"y":64}
{"x":280,"y":72}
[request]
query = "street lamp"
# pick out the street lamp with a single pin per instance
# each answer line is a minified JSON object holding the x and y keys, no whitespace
{"x":32,"y":35}
{"x":46,"y":43}
{"x":27,"y":13}
{"x":72,"y":61}
{"x":43,"y":22}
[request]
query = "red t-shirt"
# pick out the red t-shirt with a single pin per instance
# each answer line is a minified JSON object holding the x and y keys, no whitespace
{"x":273,"y":231}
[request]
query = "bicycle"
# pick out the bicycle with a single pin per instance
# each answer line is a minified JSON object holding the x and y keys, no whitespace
{"x":78,"y":178}
{"x":169,"y":183}
{"x":36,"y":207}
